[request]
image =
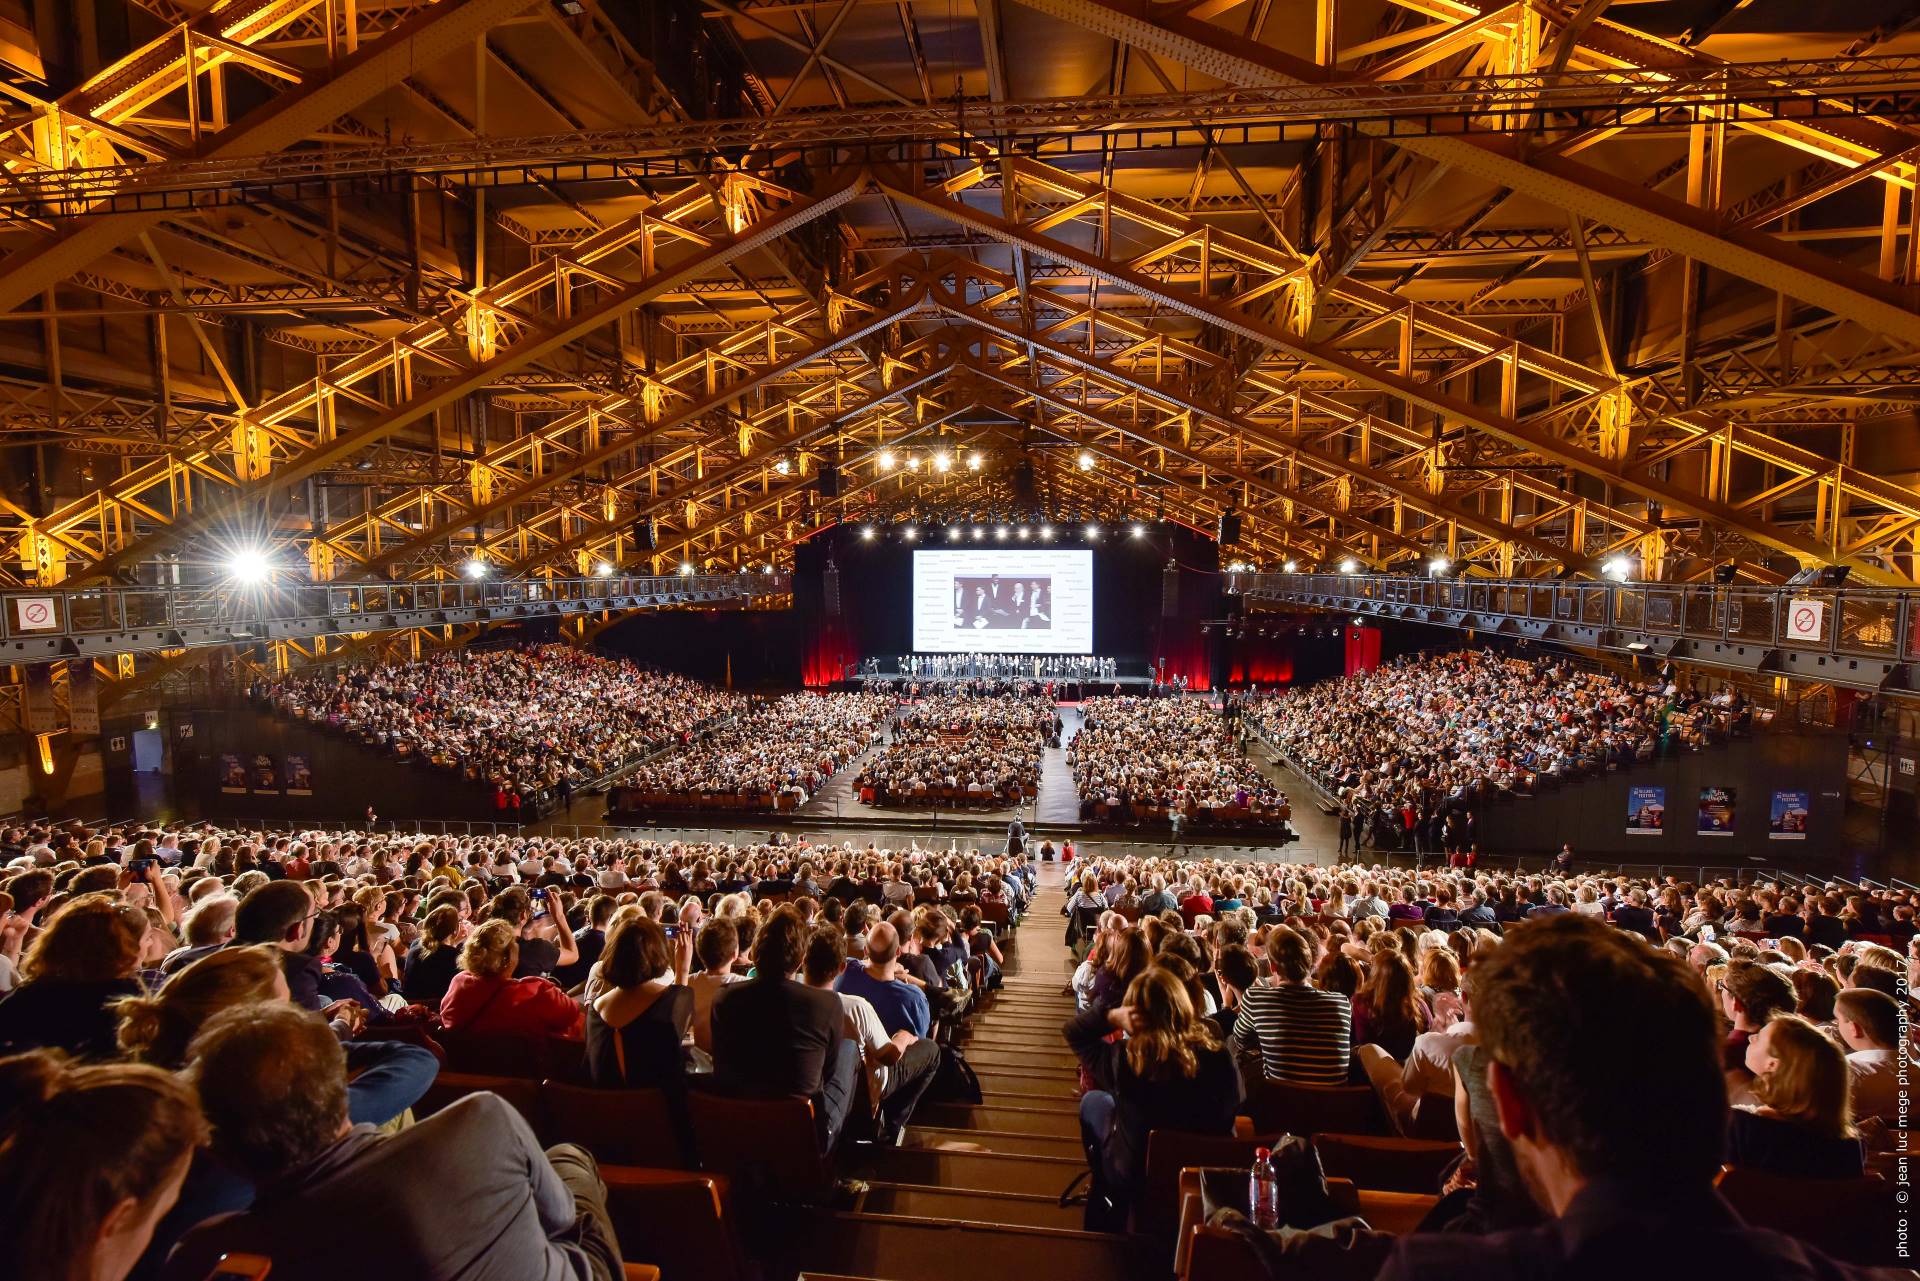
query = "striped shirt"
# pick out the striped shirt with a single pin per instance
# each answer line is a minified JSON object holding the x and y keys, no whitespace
{"x":1304,"y":1035}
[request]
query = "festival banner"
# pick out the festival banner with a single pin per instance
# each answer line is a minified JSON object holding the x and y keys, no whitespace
{"x":1646,"y":811}
{"x":266,"y":775}
{"x":1716,"y":811}
{"x":233,"y":774}
{"x":1787,"y":816}
{"x":299,"y":776}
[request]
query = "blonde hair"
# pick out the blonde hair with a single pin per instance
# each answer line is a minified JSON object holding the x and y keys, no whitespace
{"x":1171,"y":1035}
{"x":490,"y":951}
{"x":158,"y":1028}
{"x":1809,"y":1081}
{"x":93,"y":939}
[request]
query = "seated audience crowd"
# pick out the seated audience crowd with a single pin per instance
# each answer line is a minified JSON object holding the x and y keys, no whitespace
{"x":1409,"y":748}
{"x":963,"y":748}
{"x":1141,"y":758}
{"x":532,"y":722}
{"x":777,"y":755}
{"x":234,"y":1033}
{"x":212,"y":1041}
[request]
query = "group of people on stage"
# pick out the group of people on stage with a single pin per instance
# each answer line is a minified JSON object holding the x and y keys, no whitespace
{"x":1078,"y":668}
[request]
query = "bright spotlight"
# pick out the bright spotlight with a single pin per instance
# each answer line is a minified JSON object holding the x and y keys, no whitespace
{"x":1086,"y":461}
{"x":886,"y":460}
{"x":603,"y":570}
{"x":910,"y":533}
{"x":249,"y":566}
{"x":686,"y":568}
{"x":1093,"y":531}
{"x":1021,"y":533}
{"x":1138,"y":531}
{"x":978,"y":533}
{"x":1046,"y":533}
{"x":973,"y":462}
{"x":953,"y":534}
{"x":913,"y":462}
{"x":1290,"y":566}
{"x":1617,"y":568}
{"x":475,"y":568}
{"x":782,"y":466}
{"x":1000,"y":532}
{"x":1438,"y":566}
{"x":941,"y":462}
{"x":866,"y":532}
{"x":1349,"y":566}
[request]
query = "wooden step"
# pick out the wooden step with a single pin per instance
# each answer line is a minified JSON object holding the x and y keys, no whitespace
{"x":1061,"y":1119}
{"x":898,"y":1248}
{"x":1014,"y":1086}
{"x":1004,"y":1057}
{"x":1042,"y":1175}
{"x":1023,"y":1209}
{"x":936,"y":1136}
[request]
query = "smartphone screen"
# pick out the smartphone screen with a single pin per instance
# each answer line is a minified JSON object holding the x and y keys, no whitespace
{"x":241,"y":1267}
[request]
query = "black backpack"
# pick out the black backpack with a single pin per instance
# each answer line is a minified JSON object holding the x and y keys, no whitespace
{"x":954,"y":1081}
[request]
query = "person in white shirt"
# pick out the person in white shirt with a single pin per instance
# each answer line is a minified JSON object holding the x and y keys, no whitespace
{"x":718,"y":946}
{"x":900,"y":1067}
{"x":1868,"y":1021}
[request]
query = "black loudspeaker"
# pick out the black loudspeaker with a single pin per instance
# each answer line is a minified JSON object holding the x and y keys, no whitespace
{"x":1833,"y":575}
{"x":259,"y":651}
{"x":830,"y":589}
{"x":1725,"y":573}
{"x":828,"y":481}
{"x":646,"y":535}
{"x":1229,"y":528}
{"x":1170,"y":590}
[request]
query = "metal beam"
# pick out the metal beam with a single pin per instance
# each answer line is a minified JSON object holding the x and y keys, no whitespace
{"x":287,"y":119}
{"x":1560,"y":182}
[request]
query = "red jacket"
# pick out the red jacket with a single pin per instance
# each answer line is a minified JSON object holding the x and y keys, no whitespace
{"x":509,"y":1007}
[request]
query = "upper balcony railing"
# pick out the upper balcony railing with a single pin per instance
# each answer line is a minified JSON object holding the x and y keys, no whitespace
{"x":1863,"y":637}
{"x":39,"y":624}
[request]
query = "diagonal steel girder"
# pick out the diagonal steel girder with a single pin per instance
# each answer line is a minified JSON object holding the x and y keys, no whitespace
{"x":1032,"y":390}
{"x":685,"y":414}
{"x":726,"y":476}
{"x":539,"y":340}
{"x":1561,"y":182}
{"x":1448,"y":407}
{"x":285,"y":120}
{"x":1318,"y":459}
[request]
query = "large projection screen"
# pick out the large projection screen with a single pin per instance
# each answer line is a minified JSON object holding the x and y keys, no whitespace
{"x":1003,"y":602}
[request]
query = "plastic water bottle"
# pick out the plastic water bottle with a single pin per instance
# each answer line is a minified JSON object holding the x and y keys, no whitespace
{"x":1263,"y":1191}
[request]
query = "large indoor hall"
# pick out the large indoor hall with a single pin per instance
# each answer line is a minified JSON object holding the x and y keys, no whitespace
{"x":914,"y":640}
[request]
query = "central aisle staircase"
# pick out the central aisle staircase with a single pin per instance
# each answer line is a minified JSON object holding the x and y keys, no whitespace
{"x":973,"y":1192}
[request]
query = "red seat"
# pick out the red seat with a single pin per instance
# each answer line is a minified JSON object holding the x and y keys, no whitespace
{"x":620,"y":1127}
{"x":1846,"y":1219}
{"x":675,"y":1220}
{"x":1156,"y":1209}
{"x":1375,"y":1164}
{"x":1282,"y":1107}
{"x":768,"y":1147}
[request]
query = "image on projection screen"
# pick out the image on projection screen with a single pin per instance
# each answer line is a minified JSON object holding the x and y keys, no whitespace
{"x":1003,"y":602}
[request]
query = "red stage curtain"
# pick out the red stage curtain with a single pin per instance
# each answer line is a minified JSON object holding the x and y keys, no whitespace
{"x":829,"y":651}
{"x":1363,"y":649}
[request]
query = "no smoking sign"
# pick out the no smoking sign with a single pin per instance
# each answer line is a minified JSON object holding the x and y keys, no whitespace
{"x":35,"y":613}
{"x":1805,"y":619}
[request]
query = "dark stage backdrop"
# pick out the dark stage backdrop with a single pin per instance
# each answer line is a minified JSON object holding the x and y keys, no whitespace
{"x":759,"y":648}
{"x":876,"y":587}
